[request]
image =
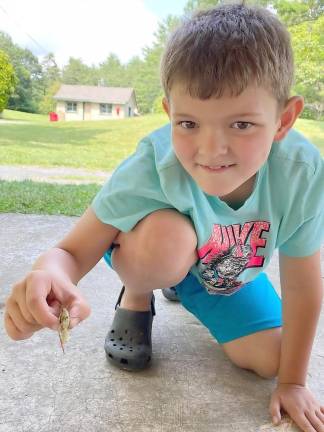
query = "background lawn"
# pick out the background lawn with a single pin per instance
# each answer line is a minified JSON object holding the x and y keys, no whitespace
{"x":98,"y":145}
{"x":17,"y":115}
{"x":45,"y":198}
{"x":90,"y":145}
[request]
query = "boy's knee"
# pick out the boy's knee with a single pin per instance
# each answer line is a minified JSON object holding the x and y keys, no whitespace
{"x":169,"y":239}
{"x":268,"y":369}
{"x":165,"y":240}
{"x":170,"y":230}
{"x":258,"y":352}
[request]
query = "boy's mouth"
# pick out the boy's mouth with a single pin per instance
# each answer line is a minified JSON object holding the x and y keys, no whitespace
{"x":217,"y":168}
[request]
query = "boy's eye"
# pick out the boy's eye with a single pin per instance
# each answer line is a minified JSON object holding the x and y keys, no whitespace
{"x":187,"y":124}
{"x":242,"y":125}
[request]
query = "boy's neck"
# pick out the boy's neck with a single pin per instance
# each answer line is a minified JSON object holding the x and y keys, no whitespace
{"x":238,"y":197}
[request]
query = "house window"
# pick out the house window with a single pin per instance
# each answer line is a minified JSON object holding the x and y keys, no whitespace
{"x":71,"y":107}
{"x":105,"y":108}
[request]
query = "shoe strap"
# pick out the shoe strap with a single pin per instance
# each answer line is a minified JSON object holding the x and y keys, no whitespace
{"x":122,"y":293}
{"x":120,"y":297}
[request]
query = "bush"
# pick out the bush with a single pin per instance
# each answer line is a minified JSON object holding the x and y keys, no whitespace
{"x":7,"y":80}
{"x":157,"y":105}
{"x":312,"y":112}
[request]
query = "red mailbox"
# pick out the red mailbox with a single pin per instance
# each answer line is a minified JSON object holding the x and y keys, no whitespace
{"x":53,"y":116}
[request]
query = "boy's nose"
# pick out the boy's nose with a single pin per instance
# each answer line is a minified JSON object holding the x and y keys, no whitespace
{"x":213,"y":144}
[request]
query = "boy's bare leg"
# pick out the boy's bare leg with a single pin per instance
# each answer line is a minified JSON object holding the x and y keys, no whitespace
{"x":157,"y":253}
{"x":259,"y":352}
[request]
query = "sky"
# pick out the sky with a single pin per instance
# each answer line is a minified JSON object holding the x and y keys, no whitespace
{"x":86,"y":29}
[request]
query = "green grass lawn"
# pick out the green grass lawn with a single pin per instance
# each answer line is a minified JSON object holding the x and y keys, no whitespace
{"x":91,"y":145}
{"x":21,"y":116}
{"x":100,"y":145}
{"x":44,"y":198}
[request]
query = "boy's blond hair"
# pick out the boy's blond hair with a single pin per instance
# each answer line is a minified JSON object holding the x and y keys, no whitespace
{"x":228,"y":48}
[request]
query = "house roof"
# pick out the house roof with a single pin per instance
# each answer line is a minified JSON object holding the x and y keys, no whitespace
{"x":81,"y":93}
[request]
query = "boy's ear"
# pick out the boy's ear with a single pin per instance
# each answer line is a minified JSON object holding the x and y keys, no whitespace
{"x":288,"y":116}
{"x":166,"y":106}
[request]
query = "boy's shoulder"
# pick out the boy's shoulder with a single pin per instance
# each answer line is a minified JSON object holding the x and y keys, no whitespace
{"x":160,"y":144}
{"x":161,"y":135}
{"x":295,"y":170}
{"x":295,"y":149}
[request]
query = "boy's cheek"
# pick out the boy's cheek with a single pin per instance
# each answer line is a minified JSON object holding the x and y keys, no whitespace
{"x":185,"y":158}
{"x":184,"y":149}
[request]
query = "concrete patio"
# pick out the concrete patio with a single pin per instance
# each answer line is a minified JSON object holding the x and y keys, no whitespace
{"x":190,"y":387}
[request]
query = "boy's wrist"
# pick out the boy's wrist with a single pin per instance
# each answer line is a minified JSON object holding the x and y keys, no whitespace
{"x":291,"y":384}
{"x":59,"y":264}
{"x":296,"y":379}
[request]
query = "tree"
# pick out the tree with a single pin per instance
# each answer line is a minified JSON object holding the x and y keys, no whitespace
{"x":147,"y":81}
{"x":157,"y":104}
{"x":289,"y":11}
{"x":193,"y":5}
{"x":76,"y":72}
{"x":297,"y":12}
{"x":112,"y":72}
{"x":51,"y":81}
{"x":50,"y":71}
{"x":7,"y":80}
{"x":28,"y":71}
{"x":47,"y":103}
{"x":307,"y":39}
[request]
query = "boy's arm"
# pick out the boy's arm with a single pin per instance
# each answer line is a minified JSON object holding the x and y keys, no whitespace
{"x":35,"y":301}
{"x":302,"y":295}
{"x":80,"y":250}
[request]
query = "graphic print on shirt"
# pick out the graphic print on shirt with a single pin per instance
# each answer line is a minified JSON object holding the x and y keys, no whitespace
{"x":228,"y":252}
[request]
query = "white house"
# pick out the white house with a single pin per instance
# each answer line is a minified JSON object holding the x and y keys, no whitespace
{"x":78,"y":102}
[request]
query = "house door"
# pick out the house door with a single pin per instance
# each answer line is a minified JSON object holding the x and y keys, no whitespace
{"x":129,"y":111}
{"x":87,"y":111}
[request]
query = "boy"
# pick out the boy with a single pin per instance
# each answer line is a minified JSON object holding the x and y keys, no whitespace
{"x":201,"y":206}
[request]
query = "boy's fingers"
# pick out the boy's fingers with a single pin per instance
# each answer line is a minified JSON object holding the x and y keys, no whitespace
{"x":13,"y":330}
{"x":36,"y":294}
{"x":320,"y":415}
{"x":20,"y":322}
{"x":55,"y":307}
{"x":305,"y":424}
{"x":26,"y":313}
{"x":275,"y":411}
{"x":78,"y":312}
{"x":317,"y":424}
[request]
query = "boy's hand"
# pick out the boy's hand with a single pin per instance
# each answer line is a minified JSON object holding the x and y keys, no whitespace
{"x":35,"y":303}
{"x":300,"y":404}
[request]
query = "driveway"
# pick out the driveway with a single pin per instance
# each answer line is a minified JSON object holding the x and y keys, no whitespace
{"x":190,"y":387}
{"x":60,"y":175}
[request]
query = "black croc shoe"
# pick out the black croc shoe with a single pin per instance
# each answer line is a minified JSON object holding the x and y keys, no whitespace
{"x":170,"y":294}
{"x":128,"y":344}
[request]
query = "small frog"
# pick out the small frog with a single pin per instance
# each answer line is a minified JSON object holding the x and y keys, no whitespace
{"x":63,"y":330}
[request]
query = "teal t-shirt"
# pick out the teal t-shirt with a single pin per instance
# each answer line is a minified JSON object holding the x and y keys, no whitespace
{"x":284,"y":211}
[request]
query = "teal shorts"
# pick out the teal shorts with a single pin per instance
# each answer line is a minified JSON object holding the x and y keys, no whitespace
{"x":255,"y":307}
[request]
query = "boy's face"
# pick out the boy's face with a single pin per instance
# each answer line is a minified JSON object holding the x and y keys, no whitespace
{"x":222,"y":143}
